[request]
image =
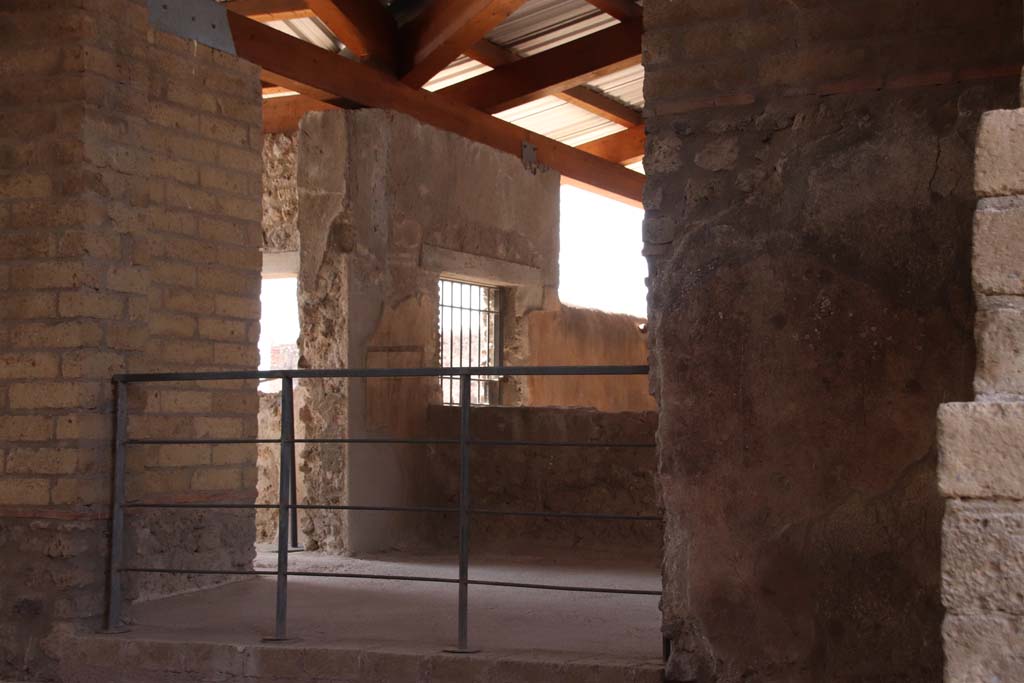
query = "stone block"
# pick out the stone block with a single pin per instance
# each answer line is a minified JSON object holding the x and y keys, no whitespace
{"x":981,"y":450}
{"x":998,"y":263}
{"x":999,"y":156}
{"x":999,"y":333}
{"x":984,"y":648}
{"x":983,"y":557}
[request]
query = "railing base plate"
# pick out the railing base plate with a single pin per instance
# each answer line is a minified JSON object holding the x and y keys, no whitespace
{"x":275,"y":639}
{"x":461,"y":651}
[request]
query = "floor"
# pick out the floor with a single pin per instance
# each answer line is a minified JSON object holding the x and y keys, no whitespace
{"x":356,"y":612}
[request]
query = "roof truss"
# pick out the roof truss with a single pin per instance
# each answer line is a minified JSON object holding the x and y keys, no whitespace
{"x":399,"y":60}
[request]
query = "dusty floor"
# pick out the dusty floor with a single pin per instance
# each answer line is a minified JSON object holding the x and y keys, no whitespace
{"x":357,"y":612}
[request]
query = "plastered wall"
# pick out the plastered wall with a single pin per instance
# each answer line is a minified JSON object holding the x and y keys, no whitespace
{"x":809,"y":208}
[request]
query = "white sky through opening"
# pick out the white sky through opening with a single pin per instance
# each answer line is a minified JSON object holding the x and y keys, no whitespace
{"x":600,"y":264}
{"x":600,"y":260}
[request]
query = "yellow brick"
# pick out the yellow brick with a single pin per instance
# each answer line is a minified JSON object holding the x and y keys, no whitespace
{"x":128,"y":279}
{"x":171,"y":325}
{"x":158,"y":482}
{"x":26,"y":245}
{"x":28,"y":305}
{"x":26,"y":428}
{"x":186,"y":352}
{"x":222,"y":330}
{"x":229,"y":281}
{"x":54,"y":275}
{"x":236,"y":355}
{"x":91,"y":364}
{"x":72,"y":334}
{"x":56,"y":395}
{"x":173,"y":401}
{"x":68,"y":491}
{"x":28,"y":365}
{"x":127,"y":336}
{"x":90,"y":304}
{"x":189,"y":301}
{"x":237,"y":306}
{"x":24,"y":491}
{"x":42,"y":461}
{"x":234,"y":454}
{"x":25,"y":186}
{"x":85,"y":427}
{"x":216,"y":479}
{"x":217,"y":427}
{"x":183,"y":456}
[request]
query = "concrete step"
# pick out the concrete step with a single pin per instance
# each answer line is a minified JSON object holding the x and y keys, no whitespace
{"x":136,"y":659}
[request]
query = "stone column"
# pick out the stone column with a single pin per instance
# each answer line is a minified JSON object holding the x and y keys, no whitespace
{"x":129,"y":233}
{"x":981,"y":444}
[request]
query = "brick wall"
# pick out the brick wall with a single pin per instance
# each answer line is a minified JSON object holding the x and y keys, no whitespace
{"x":981,"y":466}
{"x":809,"y":209}
{"x":129,"y":233}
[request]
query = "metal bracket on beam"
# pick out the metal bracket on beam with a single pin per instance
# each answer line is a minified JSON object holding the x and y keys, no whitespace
{"x":203,"y":21}
{"x":529,"y":157}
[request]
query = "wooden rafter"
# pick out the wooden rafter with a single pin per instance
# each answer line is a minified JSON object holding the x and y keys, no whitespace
{"x":624,"y":147}
{"x":552,"y":71}
{"x":295,"y":64}
{"x":366,"y":27}
{"x":623,"y":10}
{"x":446,"y":29}
{"x":593,"y":101}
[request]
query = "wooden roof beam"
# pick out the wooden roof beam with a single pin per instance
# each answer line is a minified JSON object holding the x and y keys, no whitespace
{"x":366,"y":27}
{"x":625,"y":147}
{"x":623,"y":10}
{"x":494,"y":55}
{"x":446,"y":29}
{"x":552,"y":71}
{"x":295,"y":64}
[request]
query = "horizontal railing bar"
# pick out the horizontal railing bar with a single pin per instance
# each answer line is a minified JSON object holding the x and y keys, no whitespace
{"x":571,"y":589}
{"x":259,"y":572}
{"x":391,"y":577}
{"x":574,"y":515}
{"x":378,"y":508}
{"x":259,"y":506}
{"x":216,"y":442}
{"x":563,"y":370}
{"x":568,"y":444}
{"x":196,"y":442}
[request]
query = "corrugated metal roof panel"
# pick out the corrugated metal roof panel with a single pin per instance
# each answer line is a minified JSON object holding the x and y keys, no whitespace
{"x":626,"y":85}
{"x":559,"y":120}
{"x":540,"y":25}
{"x":309,"y":29}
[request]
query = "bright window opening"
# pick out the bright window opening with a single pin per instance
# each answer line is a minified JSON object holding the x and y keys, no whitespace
{"x":279,"y":328}
{"x":601,"y":265}
{"x":469,"y":327}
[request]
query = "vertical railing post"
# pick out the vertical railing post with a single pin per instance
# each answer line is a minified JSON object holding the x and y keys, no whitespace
{"x":284,"y":508}
{"x":294,"y":521}
{"x":114,"y":592}
{"x":464,"y":516}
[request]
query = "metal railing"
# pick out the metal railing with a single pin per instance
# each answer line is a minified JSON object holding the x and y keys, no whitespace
{"x":288,"y":506}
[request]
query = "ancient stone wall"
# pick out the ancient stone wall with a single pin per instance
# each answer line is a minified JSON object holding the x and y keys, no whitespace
{"x":981,"y":444}
{"x":580,"y":336}
{"x":386,"y":205}
{"x":808,"y":232}
{"x":129,"y":228}
{"x":280,"y":193}
{"x":617,"y":481}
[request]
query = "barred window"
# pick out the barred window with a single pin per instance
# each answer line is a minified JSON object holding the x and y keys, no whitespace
{"x":469,"y":326}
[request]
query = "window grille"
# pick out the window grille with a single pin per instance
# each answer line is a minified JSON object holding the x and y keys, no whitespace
{"x":469,"y":326}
